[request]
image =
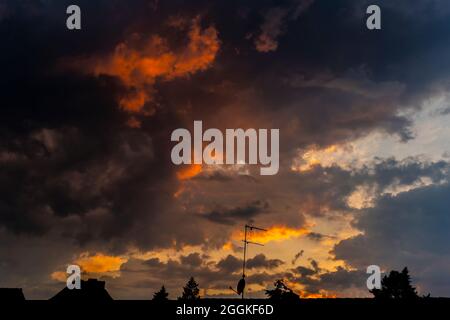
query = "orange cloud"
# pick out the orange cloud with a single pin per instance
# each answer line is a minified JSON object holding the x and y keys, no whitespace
{"x":59,"y":276}
{"x":275,"y":233}
{"x":322,"y":295}
{"x":133,"y":123}
{"x":139,"y":63}
{"x":189,"y":172}
{"x":227,"y":246}
{"x":316,"y":156}
{"x":100,"y":263}
{"x":299,"y":289}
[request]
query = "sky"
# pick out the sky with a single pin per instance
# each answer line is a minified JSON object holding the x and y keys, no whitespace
{"x":86,"y":117}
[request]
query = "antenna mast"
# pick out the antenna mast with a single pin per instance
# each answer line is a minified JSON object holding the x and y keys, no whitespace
{"x":246,"y":242}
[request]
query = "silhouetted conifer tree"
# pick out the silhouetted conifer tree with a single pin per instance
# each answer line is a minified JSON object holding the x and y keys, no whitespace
{"x":190,"y":290}
{"x":397,"y":285}
{"x":161,"y":295}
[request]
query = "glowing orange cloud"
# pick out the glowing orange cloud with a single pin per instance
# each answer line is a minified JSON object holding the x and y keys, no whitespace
{"x":227,"y":246}
{"x":100,"y":263}
{"x":189,"y":172}
{"x":59,"y":276}
{"x":323,"y":295}
{"x":344,"y":156}
{"x":275,"y":233}
{"x":139,"y":63}
{"x":133,"y":123}
{"x":298,"y":289}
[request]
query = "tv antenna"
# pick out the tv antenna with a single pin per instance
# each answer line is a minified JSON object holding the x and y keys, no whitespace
{"x":241,"y":284}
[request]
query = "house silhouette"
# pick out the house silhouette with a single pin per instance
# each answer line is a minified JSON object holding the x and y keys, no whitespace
{"x":11,"y":295}
{"x":91,"y":290}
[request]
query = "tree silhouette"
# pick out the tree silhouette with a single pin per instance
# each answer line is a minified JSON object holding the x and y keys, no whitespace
{"x":190,"y":290}
{"x":161,"y":295}
{"x":397,"y":285}
{"x":282,"y":292}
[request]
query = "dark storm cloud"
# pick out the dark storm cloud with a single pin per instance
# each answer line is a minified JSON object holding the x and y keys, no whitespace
{"x":304,"y":271}
{"x":28,"y":262}
{"x":274,"y":23}
{"x":335,"y":281}
{"x":315,"y":236}
{"x":66,"y":150}
{"x":260,"y":261}
{"x":193,"y":259}
{"x":72,"y":170}
{"x":401,"y":230}
{"x":346,"y":85}
{"x":232,"y":264}
{"x":140,"y":278}
{"x":332,"y":186}
{"x":234,"y":215}
{"x":408,"y":229}
{"x":386,"y":172}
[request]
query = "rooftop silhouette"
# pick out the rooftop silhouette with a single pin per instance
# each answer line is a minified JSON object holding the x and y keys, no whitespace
{"x":91,"y":290}
{"x":11,"y":294}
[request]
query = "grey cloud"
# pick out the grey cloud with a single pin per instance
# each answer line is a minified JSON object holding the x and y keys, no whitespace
{"x":408,"y":229}
{"x":297,"y":256}
{"x":304,"y":271}
{"x":234,"y":215}
{"x":232,"y":264}
{"x":260,"y":261}
{"x":335,"y":281}
{"x":193,"y":259}
{"x":73,"y":172}
{"x":274,"y":25}
{"x":315,"y":236}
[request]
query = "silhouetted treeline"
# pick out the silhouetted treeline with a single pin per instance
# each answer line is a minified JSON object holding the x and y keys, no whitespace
{"x":394,"y":286}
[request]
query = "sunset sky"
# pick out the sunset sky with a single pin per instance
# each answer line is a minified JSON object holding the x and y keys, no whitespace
{"x":85,"y":123}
